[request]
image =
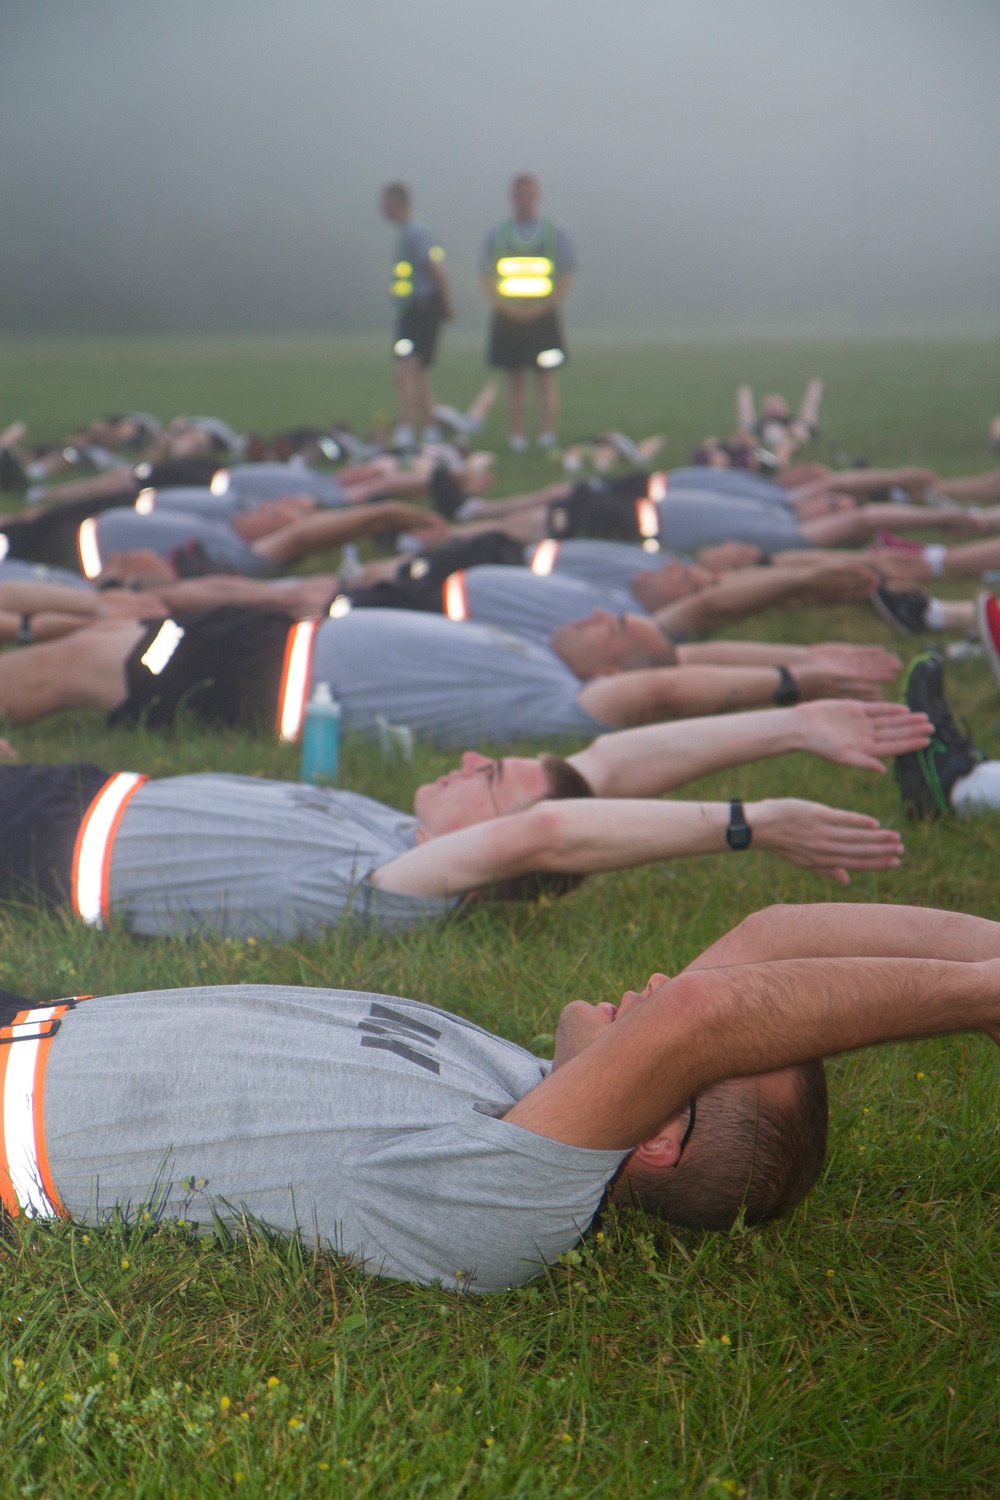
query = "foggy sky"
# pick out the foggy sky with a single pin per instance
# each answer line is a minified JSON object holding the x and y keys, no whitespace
{"x":728,"y":165}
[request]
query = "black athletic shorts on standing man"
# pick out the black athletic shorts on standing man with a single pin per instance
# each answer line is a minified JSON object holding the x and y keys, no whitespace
{"x":420,"y":324}
{"x":226,"y":669}
{"x":41,"y":809}
{"x":516,"y":346}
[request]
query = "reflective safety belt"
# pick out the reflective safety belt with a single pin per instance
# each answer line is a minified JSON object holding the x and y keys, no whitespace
{"x":456,"y":596}
{"x":656,"y":489}
{"x":401,"y":285}
{"x":89,"y":881}
{"x":544,"y":559}
{"x":647,"y":516}
{"x":295,"y":675}
{"x":87,"y":548}
{"x":525,"y":275}
{"x":26,"y":1184}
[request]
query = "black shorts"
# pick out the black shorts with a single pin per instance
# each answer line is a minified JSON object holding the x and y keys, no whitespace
{"x":226,"y":669}
{"x":417,"y":584}
{"x":50,"y":537}
{"x":420,"y":323}
{"x":515,"y":346}
{"x":174,"y":471}
{"x":41,"y":809}
{"x":607,"y":512}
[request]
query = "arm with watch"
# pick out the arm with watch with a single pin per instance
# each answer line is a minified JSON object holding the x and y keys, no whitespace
{"x":586,"y":836}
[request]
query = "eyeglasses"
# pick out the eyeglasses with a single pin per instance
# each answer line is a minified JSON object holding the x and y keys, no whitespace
{"x":692,"y":1116}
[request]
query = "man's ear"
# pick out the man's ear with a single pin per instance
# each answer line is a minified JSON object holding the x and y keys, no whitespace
{"x":664,"y":1148}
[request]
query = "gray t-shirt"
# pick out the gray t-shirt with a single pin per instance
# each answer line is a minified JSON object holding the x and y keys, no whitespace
{"x":610,"y":565}
{"x":251,"y":482}
{"x":165,"y":531}
{"x":414,"y":245}
{"x":690,"y":519}
{"x":458,"y":684}
{"x":729,"y":482}
{"x":533,"y":607}
{"x":241,"y":856}
{"x":13,"y":570}
{"x":367,"y":1122}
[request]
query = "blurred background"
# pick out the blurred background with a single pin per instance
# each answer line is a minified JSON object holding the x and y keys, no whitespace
{"x":747,"y":167}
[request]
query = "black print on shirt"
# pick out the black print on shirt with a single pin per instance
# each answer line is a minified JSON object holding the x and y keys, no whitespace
{"x":386,"y":1029}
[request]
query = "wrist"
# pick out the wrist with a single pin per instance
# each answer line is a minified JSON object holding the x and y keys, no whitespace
{"x":787,"y":693}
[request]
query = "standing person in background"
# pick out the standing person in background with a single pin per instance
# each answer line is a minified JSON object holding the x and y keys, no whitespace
{"x":420,"y":296}
{"x":527,"y":268}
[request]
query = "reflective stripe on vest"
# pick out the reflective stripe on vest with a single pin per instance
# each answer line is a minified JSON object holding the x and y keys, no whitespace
{"x":525,"y":268}
{"x":26,"y":1184}
{"x":87,"y":548}
{"x":94,"y":842}
{"x":455,"y":596}
{"x":295,"y":674}
{"x":545,"y":556}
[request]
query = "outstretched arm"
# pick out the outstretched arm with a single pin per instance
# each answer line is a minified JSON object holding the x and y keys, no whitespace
{"x":725,"y":1023}
{"x":656,"y":758}
{"x":332,"y":528}
{"x":584,"y":837}
{"x":847,"y":930}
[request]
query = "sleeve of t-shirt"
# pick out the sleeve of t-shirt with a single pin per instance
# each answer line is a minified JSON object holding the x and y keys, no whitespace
{"x":566,"y":257}
{"x":480,"y":1203}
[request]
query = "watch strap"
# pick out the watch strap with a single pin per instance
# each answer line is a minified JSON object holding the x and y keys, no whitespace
{"x":739,"y":834}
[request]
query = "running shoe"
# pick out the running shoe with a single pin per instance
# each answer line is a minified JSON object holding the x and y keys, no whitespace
{"x":925,"y":777}
{"x":988,"y":613}
{"x":903,"y":609}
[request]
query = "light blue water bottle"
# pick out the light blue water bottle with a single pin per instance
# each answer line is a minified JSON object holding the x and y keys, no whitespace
{"x":320,"y":738}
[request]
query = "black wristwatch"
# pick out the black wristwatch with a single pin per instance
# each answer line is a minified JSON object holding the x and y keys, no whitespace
{"x":739,"y":834}
{"x":788,"y":693}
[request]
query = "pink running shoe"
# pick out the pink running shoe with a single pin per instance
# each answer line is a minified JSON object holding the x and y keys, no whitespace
{"x":988,"y":613}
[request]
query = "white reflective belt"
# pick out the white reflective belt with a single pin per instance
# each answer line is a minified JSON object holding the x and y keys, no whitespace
{"x":4,"y":545}
{"x":545,"y":556}
{"x":94,"y":843}
{"x":145,"y":502}
{"x":648,"y":521}
{"x":162,"y":647}
{"x":25,"y":1178}
{"x":295,"y":679}
{"x":456,"y":598}
{"x":86,"y":546}
{"x":220,"y":482}
{"x":656,"y":489}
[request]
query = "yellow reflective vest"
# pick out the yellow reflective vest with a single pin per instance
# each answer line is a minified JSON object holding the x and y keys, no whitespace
{"x":525,"y":268}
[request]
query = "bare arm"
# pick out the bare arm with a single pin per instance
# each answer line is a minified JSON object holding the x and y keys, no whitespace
{"x":841,"y":930}
{"x":753,"y":1018}
{"x":656,"y":758}
{"x":25,"y":597}
{"x":584,"y":837}
{"x":332,"y":528}
{"x":857,"y":661}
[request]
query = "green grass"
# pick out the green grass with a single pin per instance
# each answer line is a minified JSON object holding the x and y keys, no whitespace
{"x":850,"y":1351}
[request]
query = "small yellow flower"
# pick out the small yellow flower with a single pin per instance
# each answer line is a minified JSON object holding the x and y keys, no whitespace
{"x":862,"y":1148}
{"x":921,"y":1077}
{"x":67,"y":1395}
{"x":866,"y":1111}
{"x":244,"y":1416}
{"x":565,"y":1437}
{"x":831,"y":1274}
{"x":238,"y":1476}
{"x":487,"y":1442}
{"x":272,"y":1381}
{"x":224,"y":1403}
{"x":85,"y":1238}
{"x":125,"y":1264}
{"x":294,"y":1422}
{"x":252,"y":941}
{"x":113,"y":1358}
{"x":458,"y":1390}
{"x":725,"y":1339}
{"x":146,"y":1217}
{"x":18,"y":1364}
{"x":324,"y":1466}
{"x":599,"y":1236}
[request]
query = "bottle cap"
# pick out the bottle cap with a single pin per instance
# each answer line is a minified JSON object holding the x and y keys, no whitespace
{"x":321,"y":693}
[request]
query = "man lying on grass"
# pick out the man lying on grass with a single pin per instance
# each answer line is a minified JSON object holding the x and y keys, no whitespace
{"x":428,"y":1149}
{"x":240,"y":855}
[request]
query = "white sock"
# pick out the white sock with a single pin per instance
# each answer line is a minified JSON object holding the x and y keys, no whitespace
{"x":517,"y":442}
{"x":546,"y":440}
{"x":935,"y":617}
{"x":935,"y":553}
{"x":979,"y":791}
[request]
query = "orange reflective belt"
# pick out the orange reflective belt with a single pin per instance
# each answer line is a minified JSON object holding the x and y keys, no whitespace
{"x":95,"y":840}
{"x":26,"y":1184}
{"x":647,"y":518}
{"x":295,"y":675}
{"x":544,"y":559}
{"x":456,"y":596}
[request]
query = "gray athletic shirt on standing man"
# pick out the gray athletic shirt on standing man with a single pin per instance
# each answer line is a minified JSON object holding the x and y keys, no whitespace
{"x":369,"y":1123}
{"x":457,"y":684}
{"x":244,"y":856}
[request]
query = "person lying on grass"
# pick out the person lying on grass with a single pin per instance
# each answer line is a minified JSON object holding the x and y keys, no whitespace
{"x":456,"y":683}
{"x":427,"y":1149}
{"x":241,"y":855}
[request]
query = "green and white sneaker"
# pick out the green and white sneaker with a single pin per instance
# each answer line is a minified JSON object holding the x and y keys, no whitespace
{"x":925,"y":777}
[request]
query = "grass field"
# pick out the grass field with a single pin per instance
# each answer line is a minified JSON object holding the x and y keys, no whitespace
{"x":853,"y":1350}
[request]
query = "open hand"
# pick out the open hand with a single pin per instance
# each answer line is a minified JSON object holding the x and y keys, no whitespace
{"x":829,"y":840}
{"x":862,"y":734}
